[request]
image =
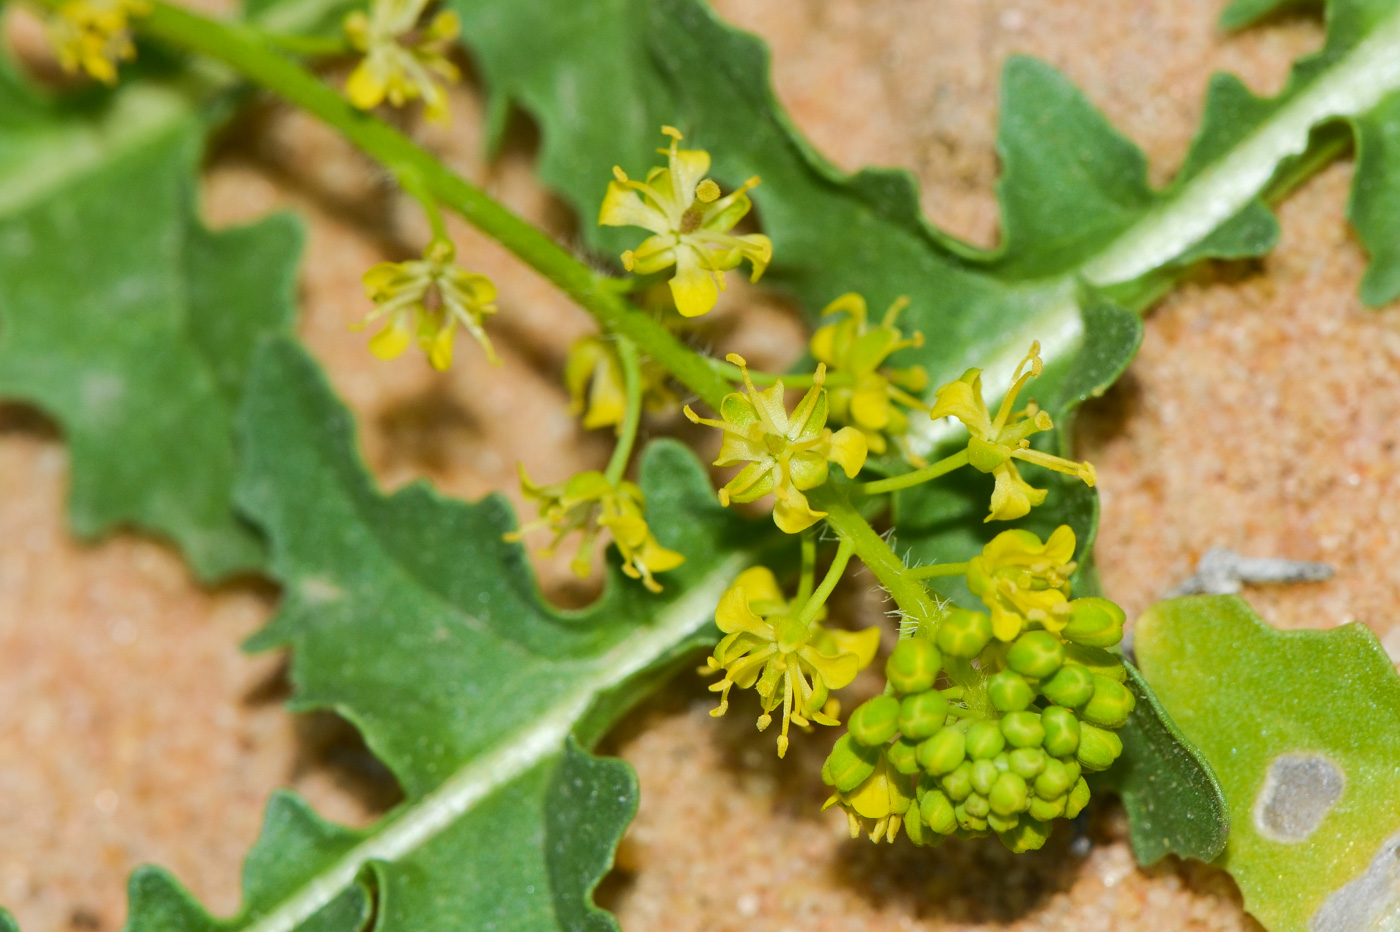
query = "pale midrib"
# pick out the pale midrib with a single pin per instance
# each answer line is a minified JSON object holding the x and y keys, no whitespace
{"x":139,"y":116}
{"x":513,"y":756}
{"x":1354,"y":84}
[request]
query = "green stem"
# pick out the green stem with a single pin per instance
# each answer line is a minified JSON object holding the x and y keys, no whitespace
{"x":914,"y":601}
{"x":309,"y":46}
{"x":632,"y":416}
{"x":249,"y":53}
{"x":938,"y":569}
{"x":895,"y":483}
{"x":833,"y":576}
{"x":416,"y":189}
{"x":809,"y":567}
{"x":731,"y":372}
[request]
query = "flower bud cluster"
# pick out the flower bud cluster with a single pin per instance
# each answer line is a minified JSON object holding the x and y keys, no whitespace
{"x":1006,"y":754}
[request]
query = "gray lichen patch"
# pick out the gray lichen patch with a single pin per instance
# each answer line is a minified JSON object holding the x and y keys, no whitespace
{"x":1299,"y":790}
{"x":1370,"y":902}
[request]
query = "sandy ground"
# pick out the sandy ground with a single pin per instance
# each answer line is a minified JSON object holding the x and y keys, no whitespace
{"x":1262,"y":414}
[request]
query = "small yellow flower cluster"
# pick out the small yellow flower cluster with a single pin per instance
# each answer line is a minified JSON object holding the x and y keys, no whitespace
{"x":792,"y":664}
{"x":1022,"y":580}
{"x":94,"y":35}
{"x":690,"y":223}
{"x":786,"y":454}
{"x":400,"y":60}
{"x":597,"y":387}
{"x":590,"y":504}
{"x":997,"y":442}
{"x":427,"y":299}
{"x":869,"y":400}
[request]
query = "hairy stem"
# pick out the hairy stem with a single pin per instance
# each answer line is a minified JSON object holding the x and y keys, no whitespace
{"x":632,"y":416}
{"x":833,"y":576}
{"x":247,"y":51}
{"x":918,"y":476}
{"x":937,"y":570}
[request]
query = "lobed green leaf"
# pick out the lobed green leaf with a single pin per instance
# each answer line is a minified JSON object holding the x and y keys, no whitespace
{"x":410,"y":616}
{"x":1303,"y":729}
{"x":127,"y":321}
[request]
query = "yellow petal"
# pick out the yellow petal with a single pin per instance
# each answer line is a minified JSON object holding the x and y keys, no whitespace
{"x":440,"y":349}
{"x":792,"y":513}
{"x":624,"y":207}
{"x":1012,"y":497}
{"x":687,"y":168}
{"x":863,"y":643}
{"x":849,"y":450}
{"x":659,"y":559}
{"x":733,"y":613}
{"x":392,"y":340}
{"x":366,"y":87}
{"x":1059,"y":546}
{"x":759,"y":584}
{"x":870,"y":406}
{"x":692,"y":287}
{"x":962,"y":399}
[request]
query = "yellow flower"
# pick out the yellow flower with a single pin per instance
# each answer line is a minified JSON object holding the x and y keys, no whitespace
{"x":1021,"y":579}
{"x":786,"y":454}
{"x":789,"y":663}
{"x":852,"y":347}
{"x":878,"y":805}
{"x":691,"y":223}
{"x":93,"y":35}
{"x":588,"y":503}
{"x":427,"y":299}
{"x":598,"y":390}
{"x":400,"y":60}
{"x":997,"y":442}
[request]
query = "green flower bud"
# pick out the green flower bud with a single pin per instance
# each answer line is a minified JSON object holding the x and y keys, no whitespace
{"x":1045,"y":810}
{"x":1002,"y":823}
{"x":1078,"y":798}
{"x":969,"y":822}
{"x":1097,"y":660}
{"x":976,"y":805}
{"x":875,"y":720}
{"x":1061,"y":731}
{"x":1072,"y":768}
{"x":944,"y":751}
{"x":848,"y":764}
{"x":903,"y":756}
{"x":1028,"y":835}
{"x":1009,"y":794}
{"x":1036,"y":654}
{"x":958,"y":783}
{"x":985,"y":740}
{"x":1094,"y":622}
{"x":936,"y":810}
{"x":963,"y":633}
{"x":1009,"y":691}
{"x":914,"y":827}
{"x":913,"y":665}
{"x":1072,"y":686}
{"x":922,"y":714}
{"x":1023,"y":729}
{"x":1028,"y":762}
{"x":1098,"y":748}
{"x":984,"y":775}
{"x":1054,"y":781}
{"x":1111,"y":704}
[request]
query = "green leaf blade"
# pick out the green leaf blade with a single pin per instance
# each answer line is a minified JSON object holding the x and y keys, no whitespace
{"x":133,"y":326}
{"x":1303,"y":730}
{"x":411,"y":617}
